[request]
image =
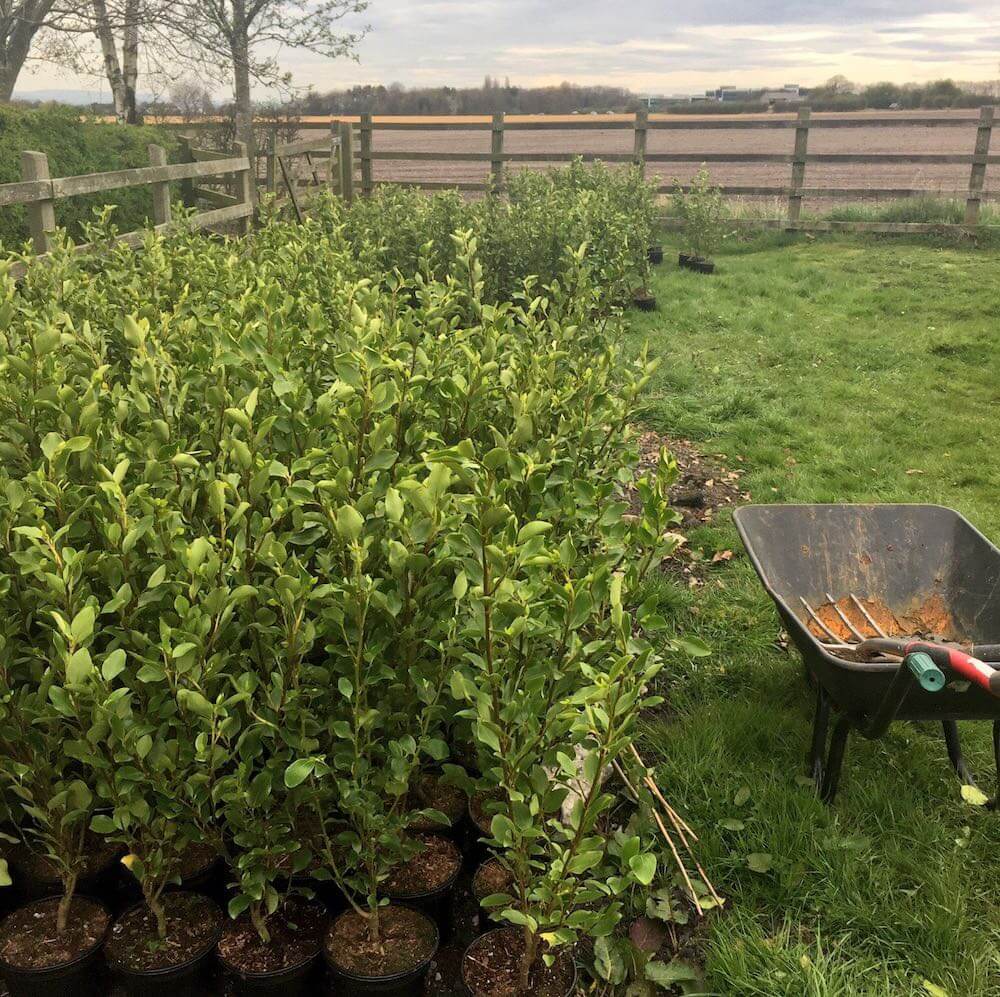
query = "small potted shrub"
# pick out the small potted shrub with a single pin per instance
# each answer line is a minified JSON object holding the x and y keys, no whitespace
{"x":553,"y":689}
{"x":374,"y":739}
{"x":702,"y":212}
{"x":51,"y":944}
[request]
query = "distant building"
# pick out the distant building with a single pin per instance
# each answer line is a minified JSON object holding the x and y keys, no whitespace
{"x":730,"y":94}
{"x":790,"y":93}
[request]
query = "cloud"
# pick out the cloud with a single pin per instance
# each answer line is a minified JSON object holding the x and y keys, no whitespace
{"x":656,"y":47}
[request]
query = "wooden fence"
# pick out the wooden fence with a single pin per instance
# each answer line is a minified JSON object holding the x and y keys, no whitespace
{"x":39,"y":192}
{"x":798,"y":158}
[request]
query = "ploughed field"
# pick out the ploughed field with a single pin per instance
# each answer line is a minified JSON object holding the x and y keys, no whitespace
{"x":699,"y":139}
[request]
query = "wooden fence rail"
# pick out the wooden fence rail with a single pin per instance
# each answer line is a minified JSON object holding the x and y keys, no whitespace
{"x":39,"y":192}
{"x":799,"y":158}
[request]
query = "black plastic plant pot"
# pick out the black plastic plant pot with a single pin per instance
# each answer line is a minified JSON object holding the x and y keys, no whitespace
{"x":408,"y":983}
{"x":655,"y":255}
{"x":684,"y":260}
{"x":435,"y":904}
{"x":644,"y":302}
{"x":703,"y":266}
{"x":288,"y":981}
{"x":477,"y":952}
{"x":295,"y":929}
{"x":77,"y":977}
{"x":183,"y":979}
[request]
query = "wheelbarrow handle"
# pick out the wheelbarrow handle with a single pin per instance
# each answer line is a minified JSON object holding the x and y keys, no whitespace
{"x":968,"y":667}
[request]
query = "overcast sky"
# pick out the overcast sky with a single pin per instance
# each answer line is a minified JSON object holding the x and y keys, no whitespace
{"x":656,"y":47}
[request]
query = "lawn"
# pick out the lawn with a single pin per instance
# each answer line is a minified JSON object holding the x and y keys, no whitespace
{"x":843,"y":370}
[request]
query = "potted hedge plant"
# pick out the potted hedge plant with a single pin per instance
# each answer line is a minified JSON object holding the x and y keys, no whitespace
{"x":553,"y":689}
{"x":702,"y":212}
{"x":54,"y":941}
{"x":372,"y":742}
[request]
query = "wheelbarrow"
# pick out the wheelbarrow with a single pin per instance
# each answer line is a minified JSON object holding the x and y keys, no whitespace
{"x":894,"y":609}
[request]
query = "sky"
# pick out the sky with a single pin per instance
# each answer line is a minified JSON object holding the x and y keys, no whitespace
{"x":653,"y":47}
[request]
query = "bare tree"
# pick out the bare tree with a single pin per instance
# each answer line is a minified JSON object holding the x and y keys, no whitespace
{"x":20,"y":22}
{"x":123,"y":72}
{"x":233,"y":32}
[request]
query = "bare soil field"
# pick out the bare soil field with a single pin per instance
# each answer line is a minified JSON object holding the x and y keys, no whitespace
{"x":699,"y":139}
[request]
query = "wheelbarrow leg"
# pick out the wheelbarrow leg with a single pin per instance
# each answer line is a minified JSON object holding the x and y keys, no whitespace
{"x":835,"y":760}
{"x":995,"y":802}
{"x":955,"y":752}
{"x":821,"y":725}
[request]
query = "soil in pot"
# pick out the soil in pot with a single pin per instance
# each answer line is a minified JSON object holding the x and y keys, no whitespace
{"x":296,"y":928}
{"x":36,"y":959}
{"x":427,"y":880}
{"x":491,"y":967}
{"x":36,"y":876}
{"x":396,"y":964}
{"x":430,"y":793}
{"x":491,"y":877}
{"x":134,"y":950}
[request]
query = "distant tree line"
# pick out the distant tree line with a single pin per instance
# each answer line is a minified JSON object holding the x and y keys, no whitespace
{"x":492,"y":96}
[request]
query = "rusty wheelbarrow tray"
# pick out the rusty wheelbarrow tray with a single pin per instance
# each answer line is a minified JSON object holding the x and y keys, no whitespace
{"x":899,"y":556}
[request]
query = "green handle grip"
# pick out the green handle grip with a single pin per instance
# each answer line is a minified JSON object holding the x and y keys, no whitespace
{"x":925,"y":671}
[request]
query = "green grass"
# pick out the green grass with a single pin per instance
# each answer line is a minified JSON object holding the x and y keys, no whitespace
{"x":832,"y":370}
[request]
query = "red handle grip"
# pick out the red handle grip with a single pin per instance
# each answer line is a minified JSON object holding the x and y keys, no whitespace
{"x":964,"y":664}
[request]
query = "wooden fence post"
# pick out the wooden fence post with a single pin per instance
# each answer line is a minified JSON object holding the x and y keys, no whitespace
{"x":244,"y":186}
{"x":977,"y":178}
{"x":41,"y":214}
{"x":187,"y":186}
{"x":799,"y":164}
{"x":496,"y":151}
{"x":641,"y":131}
{"x":346,"y":162}
{"x":270,"y":167}
{"x":367,"y":183}
{"x":160,"y":190}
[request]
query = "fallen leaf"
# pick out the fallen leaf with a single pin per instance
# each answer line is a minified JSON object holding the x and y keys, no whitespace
{"x":722,"y":555}
{"x":759,"y":862}
{"x":975,"y":796}
{"x":915,"y":470}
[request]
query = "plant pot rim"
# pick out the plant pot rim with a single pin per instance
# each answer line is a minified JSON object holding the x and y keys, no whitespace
{"x":40,"y":973}
{"x":402,"y":975}
{"x":276,"y":975}
{"x":570,"y":988}
{"x":190,"y":963}
{"x":438,"y":891}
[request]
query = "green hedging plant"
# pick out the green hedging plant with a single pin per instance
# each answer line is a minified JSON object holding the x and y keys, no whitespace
{"x":304,"y":489}
{"x":703,"y":213}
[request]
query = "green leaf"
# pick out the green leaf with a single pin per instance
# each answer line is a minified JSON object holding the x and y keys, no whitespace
{"x":157,"y":577}
{"x":83,"y":624}
{"x":102,"y":824}
{"x":667,"y":974}
{"x":460,"y":586}
{"x":742,"y":796}
{"x":194,"y":701}
{"x":732,"y":824}
{"x":114,"y":664}
{"x":394,"y":507}
{"x":197,"y":551}
{"x":350,"y":523}
{"x":693,"y":647}
{"x":298,"y":772}
{"x":759,"y":862}
{"x":934,"y":990}
{"x":535,"y":529}
{"x":643,"y":867}
{"x":79,"y":668}
{"x":5,"y":879}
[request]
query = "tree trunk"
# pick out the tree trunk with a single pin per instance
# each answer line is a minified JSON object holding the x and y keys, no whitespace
{"x":18,"y":26}
{"x":112,"y":67}
{"x":130,"y":60}
{"x":240,"y":45}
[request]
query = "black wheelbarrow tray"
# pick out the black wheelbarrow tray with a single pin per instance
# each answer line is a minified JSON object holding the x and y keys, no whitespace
{"x":900,"y":557}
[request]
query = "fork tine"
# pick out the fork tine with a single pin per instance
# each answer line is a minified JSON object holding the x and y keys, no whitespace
{"x":847,"y":623}
{"x":864,"y":612}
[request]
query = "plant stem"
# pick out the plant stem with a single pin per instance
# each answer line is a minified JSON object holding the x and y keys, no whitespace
{"x":69,"y":888}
